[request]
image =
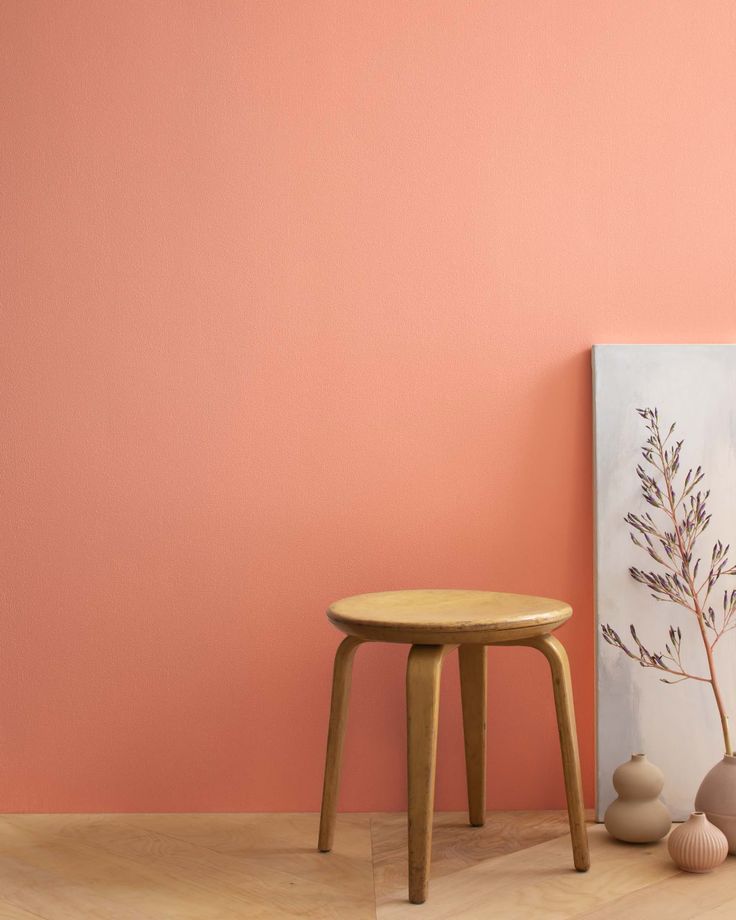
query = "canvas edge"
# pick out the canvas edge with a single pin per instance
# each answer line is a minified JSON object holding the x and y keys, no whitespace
{"x":594,"y":352}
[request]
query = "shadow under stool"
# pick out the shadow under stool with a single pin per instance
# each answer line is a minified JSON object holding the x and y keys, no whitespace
{"x":434,"y":622}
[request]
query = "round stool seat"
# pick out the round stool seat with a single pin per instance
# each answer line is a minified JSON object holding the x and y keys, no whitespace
{"x":442,"y":617}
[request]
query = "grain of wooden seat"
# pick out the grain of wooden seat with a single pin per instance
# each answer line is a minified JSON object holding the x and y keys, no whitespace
{"x":434,"y":622}
{"x":446,"y":617}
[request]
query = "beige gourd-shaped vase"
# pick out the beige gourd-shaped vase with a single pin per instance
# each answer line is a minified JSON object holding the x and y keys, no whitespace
{"x":697,"y":845}
{"x":717,"y":798}
{"x":637,"y":815}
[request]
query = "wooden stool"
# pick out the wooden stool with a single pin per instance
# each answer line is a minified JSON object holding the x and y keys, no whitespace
{"x":434,"y":622}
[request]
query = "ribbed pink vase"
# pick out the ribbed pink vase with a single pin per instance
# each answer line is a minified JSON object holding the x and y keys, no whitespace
{"x":697,"y":845}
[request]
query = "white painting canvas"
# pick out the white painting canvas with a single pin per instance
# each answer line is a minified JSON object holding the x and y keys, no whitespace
{"x":676,"y":724}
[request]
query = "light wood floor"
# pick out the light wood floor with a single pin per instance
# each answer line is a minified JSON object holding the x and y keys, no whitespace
{"x":266,"y":867}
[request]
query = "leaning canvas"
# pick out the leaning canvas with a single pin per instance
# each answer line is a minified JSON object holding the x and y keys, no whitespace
{"x":653,"y":689}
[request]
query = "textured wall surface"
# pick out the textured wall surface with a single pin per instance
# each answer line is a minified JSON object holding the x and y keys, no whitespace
{"x":297,"y":300}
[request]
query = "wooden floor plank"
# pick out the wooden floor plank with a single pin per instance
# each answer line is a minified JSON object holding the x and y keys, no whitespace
{"x":253,"y":856}
{"x":61,"y":878}
{"x":726,"y":911}
{"x":456,"y":845}
{"x":266,"y":867}
{"x":9,"y":912}
{"x":537,"y":882}
{"x":683,"y":896}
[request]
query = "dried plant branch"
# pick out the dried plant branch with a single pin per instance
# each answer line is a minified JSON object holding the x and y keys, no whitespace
{"x":670,"y":541}
{"x":654,"y":660}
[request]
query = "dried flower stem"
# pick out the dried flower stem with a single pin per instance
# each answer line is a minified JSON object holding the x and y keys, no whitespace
{"x":673,"y":551}
{"x":686,"y":557}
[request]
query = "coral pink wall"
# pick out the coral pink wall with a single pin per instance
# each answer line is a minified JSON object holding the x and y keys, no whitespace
{"x":297,"y":303}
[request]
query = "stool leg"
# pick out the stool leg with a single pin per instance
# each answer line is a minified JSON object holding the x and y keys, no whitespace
{"x":341,"y":677}
{"x":556,"y":655}
{"x":473,"y":692}
{"x":422,"y":710}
